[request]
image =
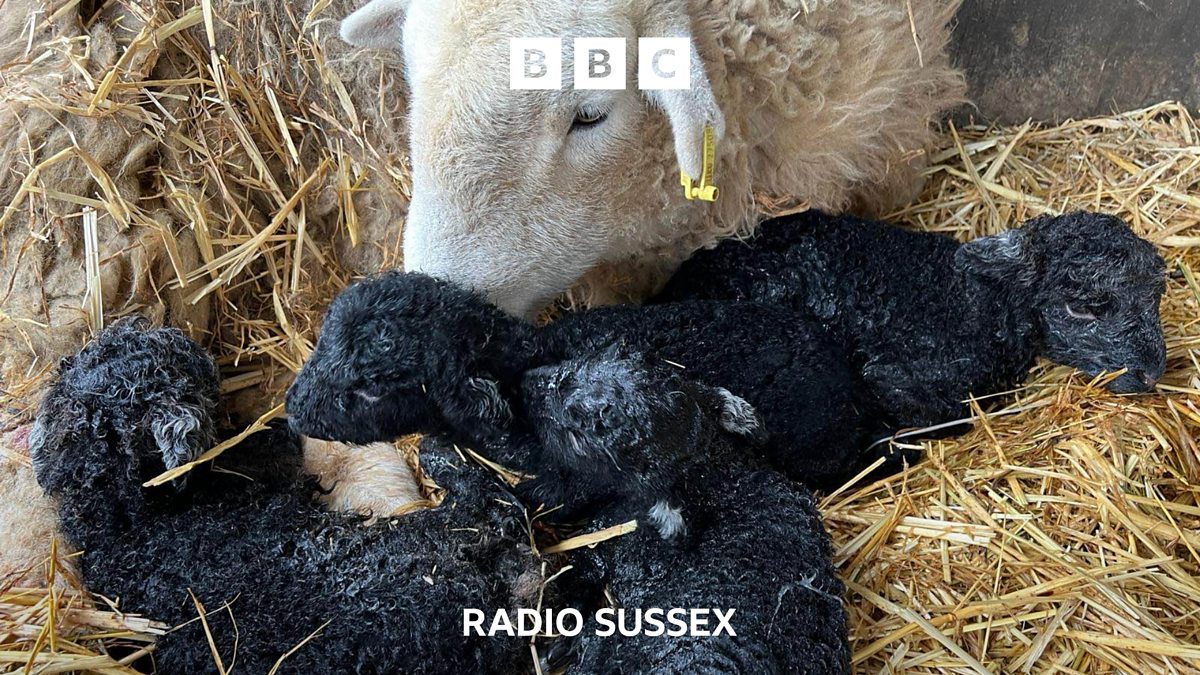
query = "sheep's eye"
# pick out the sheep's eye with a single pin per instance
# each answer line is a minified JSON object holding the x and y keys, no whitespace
{"x":586,"y":119}
{"x":1081,"y":312}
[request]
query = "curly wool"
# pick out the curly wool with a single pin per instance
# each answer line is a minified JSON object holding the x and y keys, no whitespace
{"x":822,"y":323}
{"x":248,"y":538}
{"x":843,"y":92}
{"x":611,"y":439}
{"x":403,"y":353}
{"x":931,"y":322}
{"x":638,"y":441}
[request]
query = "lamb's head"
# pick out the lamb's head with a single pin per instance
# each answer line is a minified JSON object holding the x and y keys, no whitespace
{"x":149,"y":393}
{"x":629,"y":427}
{"x":517,"y":192}
{"x":403,"y":353}
{"x":1095,"y":287}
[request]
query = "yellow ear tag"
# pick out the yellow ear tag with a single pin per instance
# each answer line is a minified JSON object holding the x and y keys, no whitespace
{"x":705,"y":191}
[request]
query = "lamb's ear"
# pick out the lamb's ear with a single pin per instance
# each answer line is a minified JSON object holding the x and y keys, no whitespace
{"x":488,"y":402}
{"x":688,"y":110}
{"x":738,"y":417}
{"x":1006,"y":256}
{"x":379,"y":23}
{"x":475,"y":406}
{"x":181,"y":432}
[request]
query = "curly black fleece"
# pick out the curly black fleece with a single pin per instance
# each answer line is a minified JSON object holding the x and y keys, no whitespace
{"x":384,"y":365}
{"x":928,"y":322}
{"x":717,"y":530}
{"x":838,"y":331}
{"x":931,"y":321}
{"x":613,"y":437}
{"x":248,"y":532}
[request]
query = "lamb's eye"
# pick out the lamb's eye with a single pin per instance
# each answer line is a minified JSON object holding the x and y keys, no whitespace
{"x":586,"y":119}
{"x":369,"y":392}
{"x":1081,"y":312}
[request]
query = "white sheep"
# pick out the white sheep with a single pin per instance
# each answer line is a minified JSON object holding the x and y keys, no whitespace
{"x":521,"y":192}
{"x":28,"y":520}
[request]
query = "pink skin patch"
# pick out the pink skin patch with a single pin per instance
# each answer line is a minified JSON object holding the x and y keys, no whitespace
{"x":18,"y":439}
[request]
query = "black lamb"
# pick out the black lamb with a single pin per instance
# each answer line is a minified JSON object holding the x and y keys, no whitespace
{"x":837,"y":331}
{"x":931,"y":321}
{"x":402,"y":353}
{"x":249,"y":540}
{"x":726,"y":534}
{"x":911,"y":325}
{"x":612,"y":438}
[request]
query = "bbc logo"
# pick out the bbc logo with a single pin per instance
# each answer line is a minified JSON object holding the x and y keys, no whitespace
{"x":537,"y":63}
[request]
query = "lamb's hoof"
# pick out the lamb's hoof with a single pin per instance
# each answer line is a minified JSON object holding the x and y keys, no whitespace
{"x":149,"y":393}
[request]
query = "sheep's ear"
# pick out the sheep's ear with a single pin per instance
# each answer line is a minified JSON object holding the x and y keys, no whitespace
{"x":379,"y":23}
{"x":688,"y":110}
{"x":1005,"y":256}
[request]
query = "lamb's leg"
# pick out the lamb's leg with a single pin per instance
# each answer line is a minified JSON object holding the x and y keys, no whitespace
{"x":133,"y":403}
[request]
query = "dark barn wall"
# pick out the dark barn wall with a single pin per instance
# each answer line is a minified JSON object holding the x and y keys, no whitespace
{"x":1053,"y":59}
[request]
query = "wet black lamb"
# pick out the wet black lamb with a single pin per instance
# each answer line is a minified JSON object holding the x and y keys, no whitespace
{"x":922,"y":322}
{"x":611,"y":437}
{"x":247,"y":537}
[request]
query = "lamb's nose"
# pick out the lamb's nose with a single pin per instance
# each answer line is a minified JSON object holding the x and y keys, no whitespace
{"x":1145,"y":378}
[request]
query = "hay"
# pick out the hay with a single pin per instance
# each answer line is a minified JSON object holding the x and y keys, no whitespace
{"x":240,"y":186}
{"x":61,"y":629}
{"x":242,"y":164}
{"x":1064,"y":537}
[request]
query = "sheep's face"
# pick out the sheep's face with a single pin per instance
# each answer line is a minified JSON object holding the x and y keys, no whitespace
{"x":517,"y":193}
{"x":397,"y":355}
{"x":614,"y":420}
{"x":1096,"y":288}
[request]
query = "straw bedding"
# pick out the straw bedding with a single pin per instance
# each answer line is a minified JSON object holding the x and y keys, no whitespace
{"x":237,"y":189}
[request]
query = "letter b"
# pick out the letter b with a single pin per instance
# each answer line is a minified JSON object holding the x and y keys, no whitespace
{"x":599,"y":63}
{"x":535,"y":63}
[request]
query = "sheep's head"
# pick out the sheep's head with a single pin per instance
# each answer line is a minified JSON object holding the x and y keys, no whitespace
{"x":1095,"y":287}
{"x":148,"y":394}
{"x":628,"y":428}
{"x":517,"y":193}
{"x":405,"y":353}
